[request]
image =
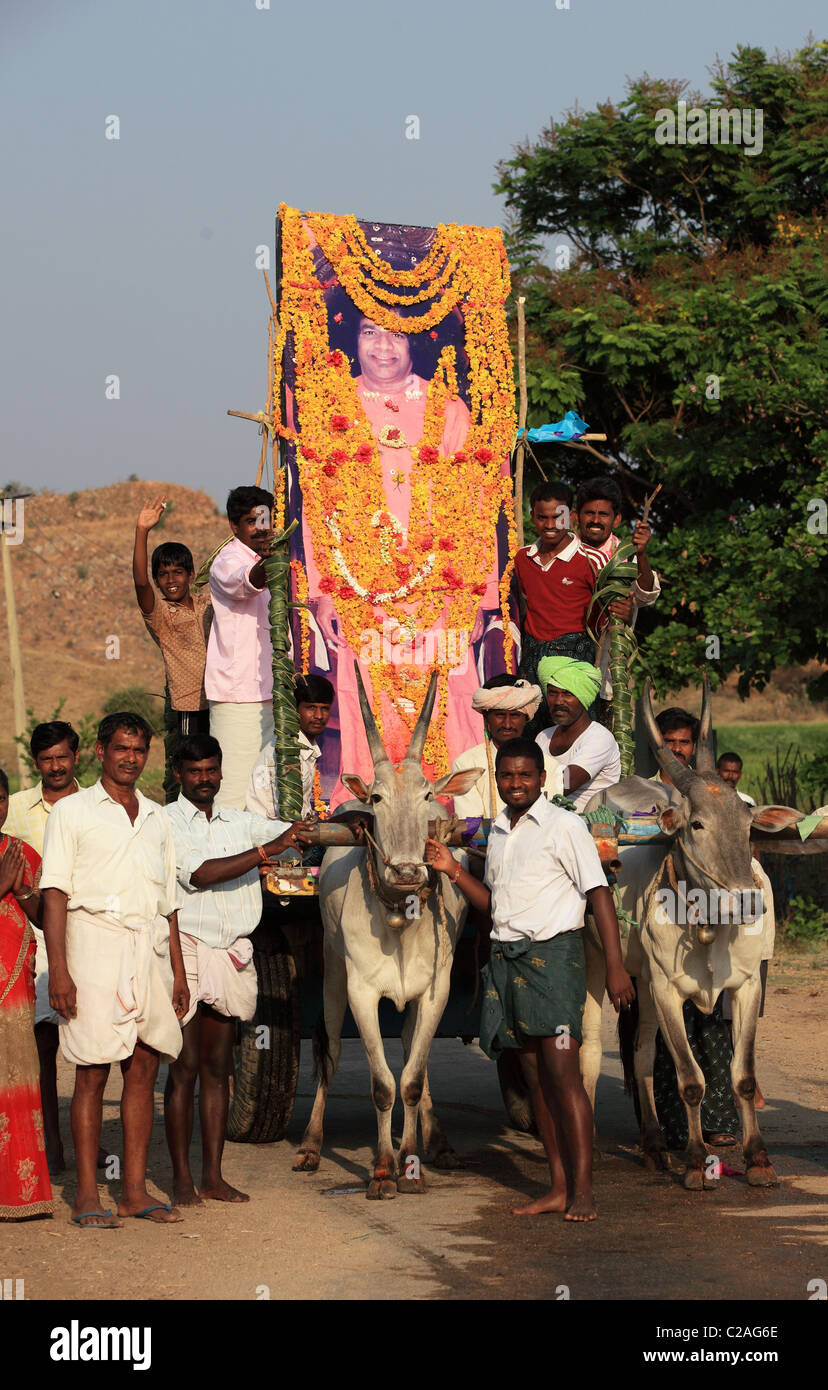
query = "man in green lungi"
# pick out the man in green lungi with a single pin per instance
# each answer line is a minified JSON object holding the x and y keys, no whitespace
{"x":542,"y":869}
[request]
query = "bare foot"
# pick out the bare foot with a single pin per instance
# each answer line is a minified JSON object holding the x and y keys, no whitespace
{"x":582,"y":1208}
{"x":221,"y":1191}
{"x":550,"y":1201}
{"x":186,"y":1195}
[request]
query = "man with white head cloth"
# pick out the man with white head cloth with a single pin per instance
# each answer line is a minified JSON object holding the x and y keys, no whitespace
{"x":507,"y":703}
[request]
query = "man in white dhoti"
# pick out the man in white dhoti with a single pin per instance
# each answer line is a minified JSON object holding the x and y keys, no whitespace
{"x":116,"y":974}
{"x":507,"y":703}
{"x":218,"y":852}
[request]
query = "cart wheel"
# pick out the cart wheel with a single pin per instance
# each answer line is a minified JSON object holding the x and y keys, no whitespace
{"x":266,"y":1058}
{"x":515,"y":1093}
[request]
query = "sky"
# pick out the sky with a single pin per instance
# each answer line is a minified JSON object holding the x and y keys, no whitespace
{"x":135,"y":257}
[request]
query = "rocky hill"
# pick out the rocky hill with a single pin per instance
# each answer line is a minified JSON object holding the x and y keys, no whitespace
{"x":73,"y":590}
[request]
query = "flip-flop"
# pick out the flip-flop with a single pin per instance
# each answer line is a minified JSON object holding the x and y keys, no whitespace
{"x":157,"y":1206}
{"x":85,"y":1225}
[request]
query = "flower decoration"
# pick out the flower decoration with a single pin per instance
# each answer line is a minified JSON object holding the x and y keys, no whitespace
{"x":380,"y":570}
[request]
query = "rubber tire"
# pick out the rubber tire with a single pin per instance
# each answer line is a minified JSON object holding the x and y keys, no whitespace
{"x":264,"y":1081}
{"x":515,"y":1093}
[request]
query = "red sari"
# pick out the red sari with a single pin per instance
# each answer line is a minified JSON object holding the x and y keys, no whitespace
{"x":25,"y":1189}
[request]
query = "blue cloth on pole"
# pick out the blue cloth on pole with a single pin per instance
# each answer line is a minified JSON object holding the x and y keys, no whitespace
{"x":570,"y":427}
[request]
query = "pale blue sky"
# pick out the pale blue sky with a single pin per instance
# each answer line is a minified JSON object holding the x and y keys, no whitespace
{"x":136,"y":257}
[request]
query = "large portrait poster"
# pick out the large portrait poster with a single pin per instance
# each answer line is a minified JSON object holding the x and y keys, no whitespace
{"x":395,"y":397}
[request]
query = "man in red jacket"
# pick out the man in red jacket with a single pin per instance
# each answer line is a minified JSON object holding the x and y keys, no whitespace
{"x":556,"y":578}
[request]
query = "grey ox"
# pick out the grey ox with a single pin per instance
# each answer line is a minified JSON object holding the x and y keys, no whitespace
{"x":386,"y":936}
{"x":705,"y":910}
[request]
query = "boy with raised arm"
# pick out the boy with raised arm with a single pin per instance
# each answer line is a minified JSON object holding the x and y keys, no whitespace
{"x":542,"y":868}
{"x":178,"y":622}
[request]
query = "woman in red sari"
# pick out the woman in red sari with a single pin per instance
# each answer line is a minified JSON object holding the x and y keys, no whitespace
{"x":24,"y":1177}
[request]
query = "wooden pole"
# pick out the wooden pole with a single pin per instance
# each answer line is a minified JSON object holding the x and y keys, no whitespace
{"x":520,"y":452}
{"x":15,"y":661}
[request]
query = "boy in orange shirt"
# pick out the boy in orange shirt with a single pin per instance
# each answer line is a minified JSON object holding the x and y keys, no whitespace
{"x":179,"y":624}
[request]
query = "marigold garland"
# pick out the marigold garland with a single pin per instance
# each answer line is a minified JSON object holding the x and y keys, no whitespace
{"x":435,"y":571}
{"x":320,"y":805}
{"x":300,"y":589}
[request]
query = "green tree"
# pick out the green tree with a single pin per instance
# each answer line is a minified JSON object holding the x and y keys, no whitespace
{"x":137,"y":700}
{"x":689,"y":327}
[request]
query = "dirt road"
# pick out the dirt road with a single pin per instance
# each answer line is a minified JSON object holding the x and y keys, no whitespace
{"x":315,"y":1236}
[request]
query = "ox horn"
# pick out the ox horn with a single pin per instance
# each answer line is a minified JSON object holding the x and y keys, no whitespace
{"x":679,"y":775}
{"x":705,"y":761}
{"x":414,"y":752}
{"x":375,"y":743}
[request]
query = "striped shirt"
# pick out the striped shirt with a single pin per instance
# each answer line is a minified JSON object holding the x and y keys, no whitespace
{"x":220,"y":914}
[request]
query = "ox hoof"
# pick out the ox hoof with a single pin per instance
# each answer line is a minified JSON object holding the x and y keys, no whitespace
{"x":410,"y":1185}
{"x":447,"y":1159}
{"x":381,"y":1191}
{"x":761,"y":1175}
{"x":657,"y":1161}
{"x":694,"y":1180}
{"x":306,"y":1162}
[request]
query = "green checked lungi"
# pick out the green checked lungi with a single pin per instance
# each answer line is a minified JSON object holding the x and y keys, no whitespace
{"x":533,"y":989}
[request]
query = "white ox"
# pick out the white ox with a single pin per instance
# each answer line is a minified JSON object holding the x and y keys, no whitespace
{"x":385,"y":937}
{"x":675,"y":957}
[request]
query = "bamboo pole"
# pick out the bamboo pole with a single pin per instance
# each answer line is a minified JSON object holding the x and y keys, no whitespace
{"x":15,"y":662}
{"x":520,"y":452}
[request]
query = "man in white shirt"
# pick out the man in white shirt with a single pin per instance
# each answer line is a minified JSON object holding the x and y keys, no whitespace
{"x":238,"y":675}
{"x":314,"y":698}
{"x":218,"y":852}
{"x":583,"y":748}
{"x":507,"y":703}
{"x":116,"y":976}
{"x":542,"y":868}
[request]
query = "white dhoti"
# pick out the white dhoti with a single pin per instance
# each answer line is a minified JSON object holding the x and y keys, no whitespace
{"x":124,"y":982}
{"x":44,"y":1013}
{"x":223,"y":978}
{"x":242,"y":730}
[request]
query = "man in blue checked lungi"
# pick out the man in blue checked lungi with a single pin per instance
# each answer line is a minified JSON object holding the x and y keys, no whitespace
{"x":542,"y":869}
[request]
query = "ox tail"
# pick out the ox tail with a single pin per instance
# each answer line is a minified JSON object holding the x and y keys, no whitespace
{"x":321,"y":1051}
{"x":627,"y":1032}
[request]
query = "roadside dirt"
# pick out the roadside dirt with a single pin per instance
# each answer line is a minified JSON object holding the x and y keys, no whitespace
{"x":315,"y":1236}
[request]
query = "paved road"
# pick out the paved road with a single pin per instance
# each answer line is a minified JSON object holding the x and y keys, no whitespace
{"x":313,"y":1236}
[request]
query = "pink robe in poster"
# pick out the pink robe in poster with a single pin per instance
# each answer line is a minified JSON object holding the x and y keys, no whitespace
{"x":463,"y":727}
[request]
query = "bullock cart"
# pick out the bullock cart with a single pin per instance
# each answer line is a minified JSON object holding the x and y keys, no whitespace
{"x":288,"y":956}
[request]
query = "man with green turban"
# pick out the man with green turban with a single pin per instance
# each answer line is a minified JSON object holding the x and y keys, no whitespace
{"x":586,"y":752}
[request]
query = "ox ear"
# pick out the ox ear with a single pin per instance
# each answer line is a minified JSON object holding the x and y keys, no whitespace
{"x":670,"y":818}
{"x":774,"y":817}
{"x":456,"y":783}
{"x":355,"y":785}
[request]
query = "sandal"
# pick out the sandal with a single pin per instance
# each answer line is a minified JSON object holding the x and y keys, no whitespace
{"x":106,"y":1223}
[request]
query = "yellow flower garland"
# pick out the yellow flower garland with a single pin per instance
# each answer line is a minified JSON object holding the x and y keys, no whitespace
{"x":434,"y":571}
{"x":300,"y":582}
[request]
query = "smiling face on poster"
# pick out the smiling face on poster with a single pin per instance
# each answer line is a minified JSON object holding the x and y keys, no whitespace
{"x":398,"y":388}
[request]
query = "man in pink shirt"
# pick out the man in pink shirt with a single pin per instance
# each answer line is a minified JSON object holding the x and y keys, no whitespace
{"x":238,"y":677}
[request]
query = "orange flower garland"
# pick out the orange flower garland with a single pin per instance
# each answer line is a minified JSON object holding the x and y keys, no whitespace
{"x":300,"y":583}
{"x":431,"y":574}
{"x":320,"y":805}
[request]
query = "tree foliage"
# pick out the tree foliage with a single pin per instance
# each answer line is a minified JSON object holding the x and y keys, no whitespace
{"x":690,"y":328}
